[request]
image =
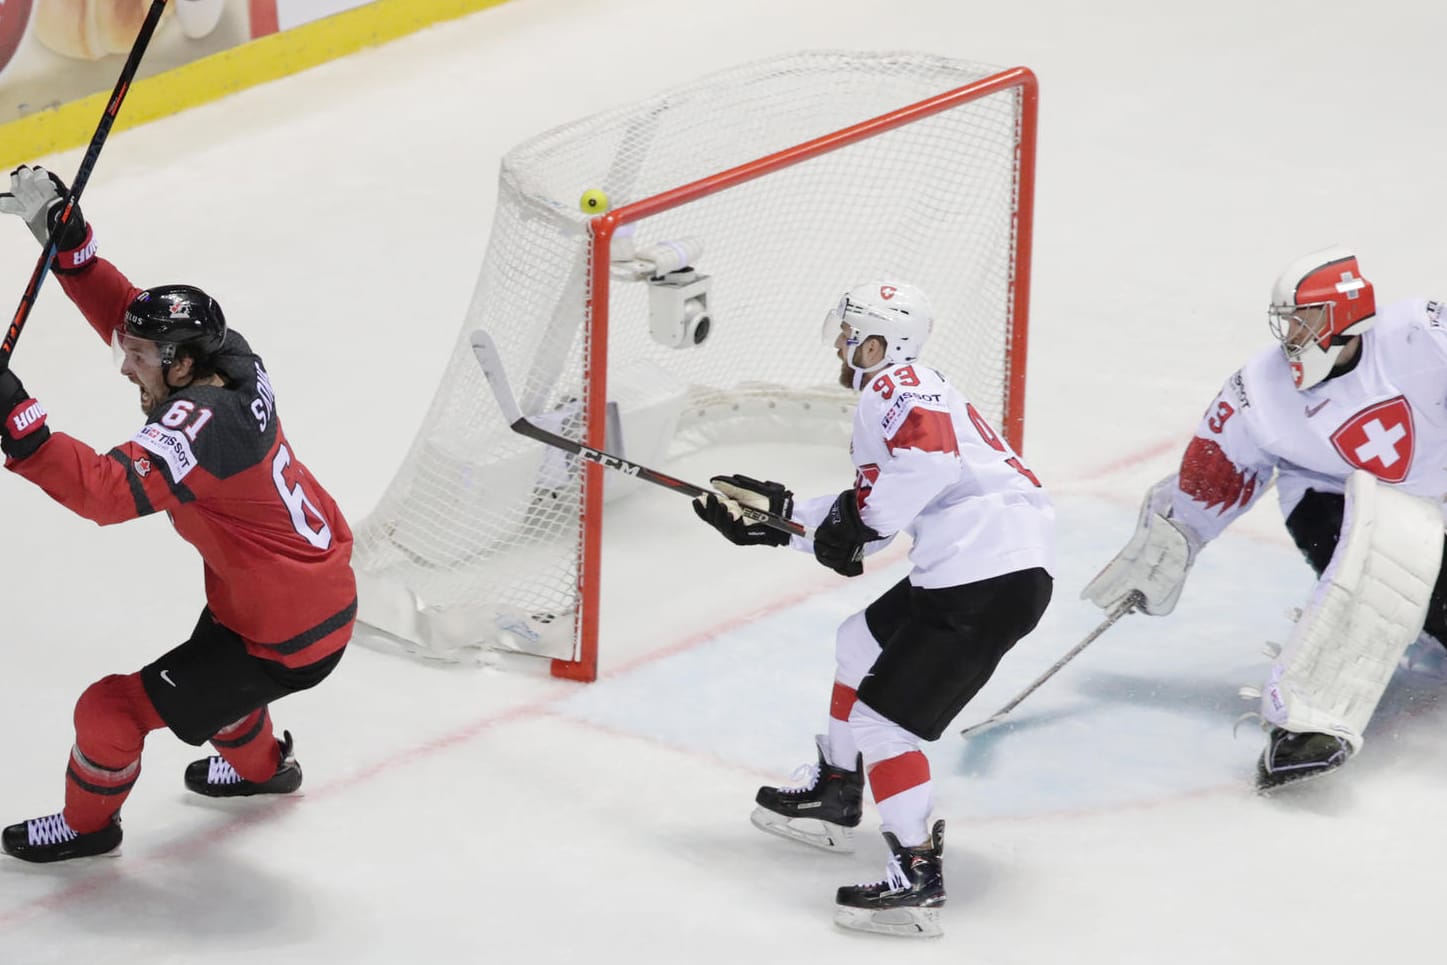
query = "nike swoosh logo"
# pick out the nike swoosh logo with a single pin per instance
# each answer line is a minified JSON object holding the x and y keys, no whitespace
{"x":1312,"y":410}
{"x":166,"y":676}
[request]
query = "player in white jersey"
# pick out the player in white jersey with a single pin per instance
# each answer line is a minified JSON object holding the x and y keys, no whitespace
{"x":1350,"y":415}
{"x":927,"y":464}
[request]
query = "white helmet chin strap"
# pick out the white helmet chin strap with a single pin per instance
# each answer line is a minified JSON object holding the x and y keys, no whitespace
{"x":862,"y":375}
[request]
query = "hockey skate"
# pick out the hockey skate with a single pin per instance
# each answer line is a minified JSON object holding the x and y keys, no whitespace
{"x":1290,"y":757}
{"x":822,"y":812}
{"x":908,"y":901}
{"x":51,"y":838}
{"x":213,"y":777}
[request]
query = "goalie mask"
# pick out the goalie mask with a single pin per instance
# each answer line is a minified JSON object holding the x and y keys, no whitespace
{"x":175,"y":315}
{"x":1318,"y":304}
{"x":896,"y":312}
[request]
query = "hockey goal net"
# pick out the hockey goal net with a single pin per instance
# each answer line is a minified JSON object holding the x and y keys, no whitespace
{"x":742,"y":205}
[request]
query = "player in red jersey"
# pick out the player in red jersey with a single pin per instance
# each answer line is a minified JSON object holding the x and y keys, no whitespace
{"x":280,"y":593}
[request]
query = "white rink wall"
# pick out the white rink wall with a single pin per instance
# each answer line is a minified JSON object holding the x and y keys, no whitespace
{"x":458,"y":814}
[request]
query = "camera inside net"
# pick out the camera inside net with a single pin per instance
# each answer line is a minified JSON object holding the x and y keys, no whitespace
{"x":678,"y":312}
{"x":678,"y":294}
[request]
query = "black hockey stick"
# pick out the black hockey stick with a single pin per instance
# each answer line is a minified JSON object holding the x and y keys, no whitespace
{"x":487,"y":357}
{"x":92,"y":153}
{"x":1131,"y":602}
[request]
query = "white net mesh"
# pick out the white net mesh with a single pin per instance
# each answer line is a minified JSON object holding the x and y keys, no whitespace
{"x":475,"y":542}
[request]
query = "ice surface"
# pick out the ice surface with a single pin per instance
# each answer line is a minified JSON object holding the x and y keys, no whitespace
{"x":472,"y":814}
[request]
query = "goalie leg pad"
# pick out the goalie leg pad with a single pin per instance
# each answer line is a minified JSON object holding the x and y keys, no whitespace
{"x":1369,"y":604}
{"x":1315,"y":524}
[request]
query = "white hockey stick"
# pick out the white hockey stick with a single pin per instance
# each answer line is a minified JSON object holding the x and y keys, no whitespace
{"x":487,"y":357}
{"x":1131,"y":602}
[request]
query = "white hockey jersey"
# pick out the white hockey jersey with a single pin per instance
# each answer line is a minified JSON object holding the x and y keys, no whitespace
{"x":928,"y":464}
{"x":1388,"y":415}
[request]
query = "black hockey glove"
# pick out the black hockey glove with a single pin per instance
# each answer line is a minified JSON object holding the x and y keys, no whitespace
{"x":24,"y":429}
{"x":839,"y":540}
{"x":723,"y":513}
{"x":36,"y":195}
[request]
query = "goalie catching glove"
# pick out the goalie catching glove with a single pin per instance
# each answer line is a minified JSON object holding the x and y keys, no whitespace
{"x":724,"y":510}
{"x":1155,"y":561}
{"x":37,"y":196}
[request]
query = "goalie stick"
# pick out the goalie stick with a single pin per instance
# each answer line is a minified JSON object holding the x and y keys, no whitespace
{"x":87,"y":164}
{"x":487,"y":357}
{"x":1132,"y":600}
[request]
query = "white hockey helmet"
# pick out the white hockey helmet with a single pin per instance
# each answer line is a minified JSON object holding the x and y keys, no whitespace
{"x":1318,"y":304}
{"x":895,"y":311}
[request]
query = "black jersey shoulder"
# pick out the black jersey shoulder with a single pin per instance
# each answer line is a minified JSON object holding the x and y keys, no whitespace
{"x":227,"y":428}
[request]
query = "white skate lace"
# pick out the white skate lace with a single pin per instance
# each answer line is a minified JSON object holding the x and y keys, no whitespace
{"x":51,"y":829}
{"x":894,"y":880}
{"x":808,"y":774}
{"x":221,"y":772}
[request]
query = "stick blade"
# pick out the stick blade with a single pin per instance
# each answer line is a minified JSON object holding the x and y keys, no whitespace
{"x":485,"y":350}
{"x":989,"y":723}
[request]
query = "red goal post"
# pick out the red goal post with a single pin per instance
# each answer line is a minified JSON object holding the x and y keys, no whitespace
{"x":504,"y":550}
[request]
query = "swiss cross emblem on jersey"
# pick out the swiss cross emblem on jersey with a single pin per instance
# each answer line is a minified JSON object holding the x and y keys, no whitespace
{"x":1379,"y":439}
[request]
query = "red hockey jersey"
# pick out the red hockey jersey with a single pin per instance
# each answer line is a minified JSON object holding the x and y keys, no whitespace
{"x":276,"y":549}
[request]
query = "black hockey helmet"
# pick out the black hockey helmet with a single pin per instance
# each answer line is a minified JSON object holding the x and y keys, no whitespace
{"x":176,"y":315}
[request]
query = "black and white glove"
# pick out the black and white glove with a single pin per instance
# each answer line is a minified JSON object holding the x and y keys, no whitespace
{"x":839,"y":540}
{"x":725,"y":514}
{"x":37,"y":196}
{"x":24,"y":429}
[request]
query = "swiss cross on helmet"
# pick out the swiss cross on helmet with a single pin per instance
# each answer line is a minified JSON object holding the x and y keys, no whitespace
{"x":895,"y":311}
{"x":1318,"y":304}
{"x":175,"y":315}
